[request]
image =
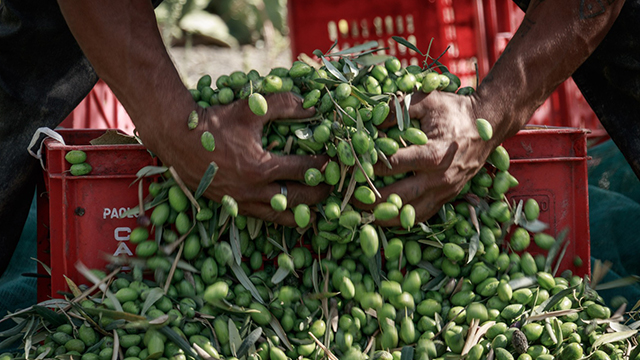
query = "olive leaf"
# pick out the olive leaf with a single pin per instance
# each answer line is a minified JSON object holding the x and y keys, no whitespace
{"x":248,"y":342}
{"x":356,"y":49}
{"x":235,"y":341}
{"x":523,"y":282}
{"x":151,"y":171}
{"x":425,"y":228}
{"x":625,"y":281}
{"x":534,"y":226}
{"x":382,"y":237}
{"x":314,"y":275}
{"x":275,"y":325}
{"x":48,"y":350}
{"x":73,"y":287}
{"x":206,"y":179}
{"x":424,"y":264}
{"x":153,"y":296}
{"x":405,"y":42}
{"x":560,"y":257}
{"x":44,"y":266}
{"x":8,"y":342}
{"x":368,"y":60}
{"x":14,"y":330}
{"x":552,"y":314}
{"x":246,"y":282}
{"x":205,"y":240}
{"x":557,"y":330}
{"x":474,"y":244}
{"x":279,"y":275}
{"x":405,"y":111}
{"x":519,"y":216}
{"x":234,"y":239}
{"x":224,"y":216}
{"x":229,"y":307}
{"x":443,"y":214}
{"x":254,"y":226}
{"x":555,"y":248}
{"x":351,"y":67}
{"x":276,"y":244}
{"x":618,"y":327}
{"x":82,"y":269}
{"x":613,"y":337}
{"x":332,"y":69}
{"x":178,"y":340}
{"x":327,"y":81}
{"x":374,"y":267}
{"x":160,"y":321}
{"x":406,"y":353}
{"x":550,"y":332}
{"x":550,"y":302}
{"x":362,"y":96}
{"x":435,"y":283}
{"x":349,"y":192}
{"x":399,"y":113}
{"x":382,"y":157}
{"x":114,"y":314}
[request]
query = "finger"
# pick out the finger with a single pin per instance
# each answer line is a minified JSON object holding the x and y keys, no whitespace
{"x":286,"y":105}
{"x":292,"y":167}
{"x":423,"y":105}
{"x":429,"y":205}
{"x":425,"y":206}
{"x":296,"y":193}
{"x":391,"y":119}
{"x":408,"y":189}
{"x":266,"y":213}
{"x":417,"y":158}
{"x":417,"y":186}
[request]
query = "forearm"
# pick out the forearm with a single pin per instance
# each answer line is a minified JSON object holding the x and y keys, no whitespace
{"x":554,"y":39}
{"x":121,"y":40}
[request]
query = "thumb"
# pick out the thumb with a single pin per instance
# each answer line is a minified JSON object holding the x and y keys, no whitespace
{"x":286,"y":105}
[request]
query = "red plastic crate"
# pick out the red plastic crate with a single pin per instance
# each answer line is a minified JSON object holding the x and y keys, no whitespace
{"x":551,"y":166}
{"x":454,"y":23}
{"x":79,"y":216}
{"x":100,"y":109}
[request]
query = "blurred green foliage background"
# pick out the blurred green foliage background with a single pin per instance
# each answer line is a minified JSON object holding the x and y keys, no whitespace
{"x":222,"y":22}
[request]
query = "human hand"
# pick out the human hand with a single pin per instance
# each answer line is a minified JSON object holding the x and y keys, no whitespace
{"x":452,"y":156}
{"x":246,"y":171}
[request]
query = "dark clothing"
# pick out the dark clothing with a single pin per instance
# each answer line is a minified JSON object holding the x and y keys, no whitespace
{"x":43,"y":77}
{"x":610,"y":82}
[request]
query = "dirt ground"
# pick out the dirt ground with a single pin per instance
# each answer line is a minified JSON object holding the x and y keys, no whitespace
{"x":193,"y":62}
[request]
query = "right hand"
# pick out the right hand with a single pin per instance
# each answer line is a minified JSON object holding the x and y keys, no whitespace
{"x":247,"y":172}
{"x":440,"y":168}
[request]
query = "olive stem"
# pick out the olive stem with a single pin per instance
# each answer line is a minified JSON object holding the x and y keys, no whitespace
{"x":373,"y":187}
{"x":173,"y":268}
{"x":168,"y":249}
{"x":140,"y":199}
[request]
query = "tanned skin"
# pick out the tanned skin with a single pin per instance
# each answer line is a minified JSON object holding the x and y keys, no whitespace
{"x":555,"y":38}
{"x":121,"y":40}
